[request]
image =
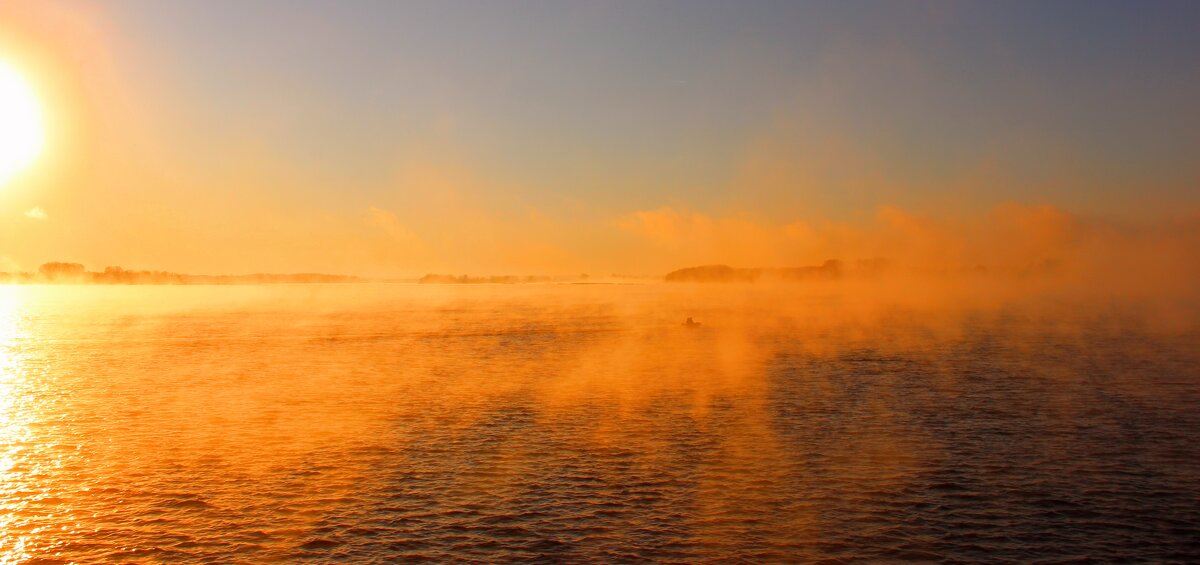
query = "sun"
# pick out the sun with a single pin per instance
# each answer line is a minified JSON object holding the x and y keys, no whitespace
{"x":21,"y":131}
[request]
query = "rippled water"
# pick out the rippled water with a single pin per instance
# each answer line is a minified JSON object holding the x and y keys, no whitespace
{"x":378,"y":423}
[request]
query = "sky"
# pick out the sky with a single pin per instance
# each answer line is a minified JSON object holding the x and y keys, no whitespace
{"x":388,"y":138}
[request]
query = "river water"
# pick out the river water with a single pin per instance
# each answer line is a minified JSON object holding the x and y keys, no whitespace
{"x":584,"y":423}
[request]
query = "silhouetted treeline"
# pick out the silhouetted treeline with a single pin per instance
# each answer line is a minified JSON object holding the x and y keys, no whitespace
{"x":75,"y":273}
{"x":834,"y":269}
{"x":829,"y":270}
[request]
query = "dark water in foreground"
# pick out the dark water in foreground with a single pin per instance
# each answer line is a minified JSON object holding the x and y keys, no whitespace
{"x":583,"y":423}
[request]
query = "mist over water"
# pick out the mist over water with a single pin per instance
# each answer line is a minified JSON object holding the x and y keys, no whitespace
{"x":376,"y":423}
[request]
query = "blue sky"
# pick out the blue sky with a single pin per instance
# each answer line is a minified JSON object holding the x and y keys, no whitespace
{"x":670,"y":94}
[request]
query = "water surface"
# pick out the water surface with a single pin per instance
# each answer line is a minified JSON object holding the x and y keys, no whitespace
{"x":377,"y":423}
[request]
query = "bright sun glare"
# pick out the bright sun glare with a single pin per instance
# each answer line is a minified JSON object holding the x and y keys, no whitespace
{"x":21,"y":133}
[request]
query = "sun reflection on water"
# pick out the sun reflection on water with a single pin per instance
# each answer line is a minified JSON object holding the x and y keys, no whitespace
{"x":14,"y":432}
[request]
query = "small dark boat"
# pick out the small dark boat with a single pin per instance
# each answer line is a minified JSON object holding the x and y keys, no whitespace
{"x":690,"y":323}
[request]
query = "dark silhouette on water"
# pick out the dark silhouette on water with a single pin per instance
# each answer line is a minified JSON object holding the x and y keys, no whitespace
{"x":690,"y":323}
{"x":829,"y":270}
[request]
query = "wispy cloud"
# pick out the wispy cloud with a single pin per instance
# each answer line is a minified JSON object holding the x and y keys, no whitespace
{"x":37,"y":213}
{"x":390,"y":224}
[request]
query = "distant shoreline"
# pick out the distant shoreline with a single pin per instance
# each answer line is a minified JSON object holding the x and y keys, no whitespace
{"x":62,"y":273}
{"x":56,"y":273}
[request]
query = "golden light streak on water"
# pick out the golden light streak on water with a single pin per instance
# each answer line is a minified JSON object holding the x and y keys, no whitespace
{"x":14,"y":430}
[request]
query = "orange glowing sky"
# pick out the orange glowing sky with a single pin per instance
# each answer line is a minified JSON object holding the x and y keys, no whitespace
{"x":398,"y":138}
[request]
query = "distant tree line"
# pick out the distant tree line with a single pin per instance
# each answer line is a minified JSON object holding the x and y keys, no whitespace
{"x":834,"y":269}
{"x":829,"y":270}
{"x":75,"y":273}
